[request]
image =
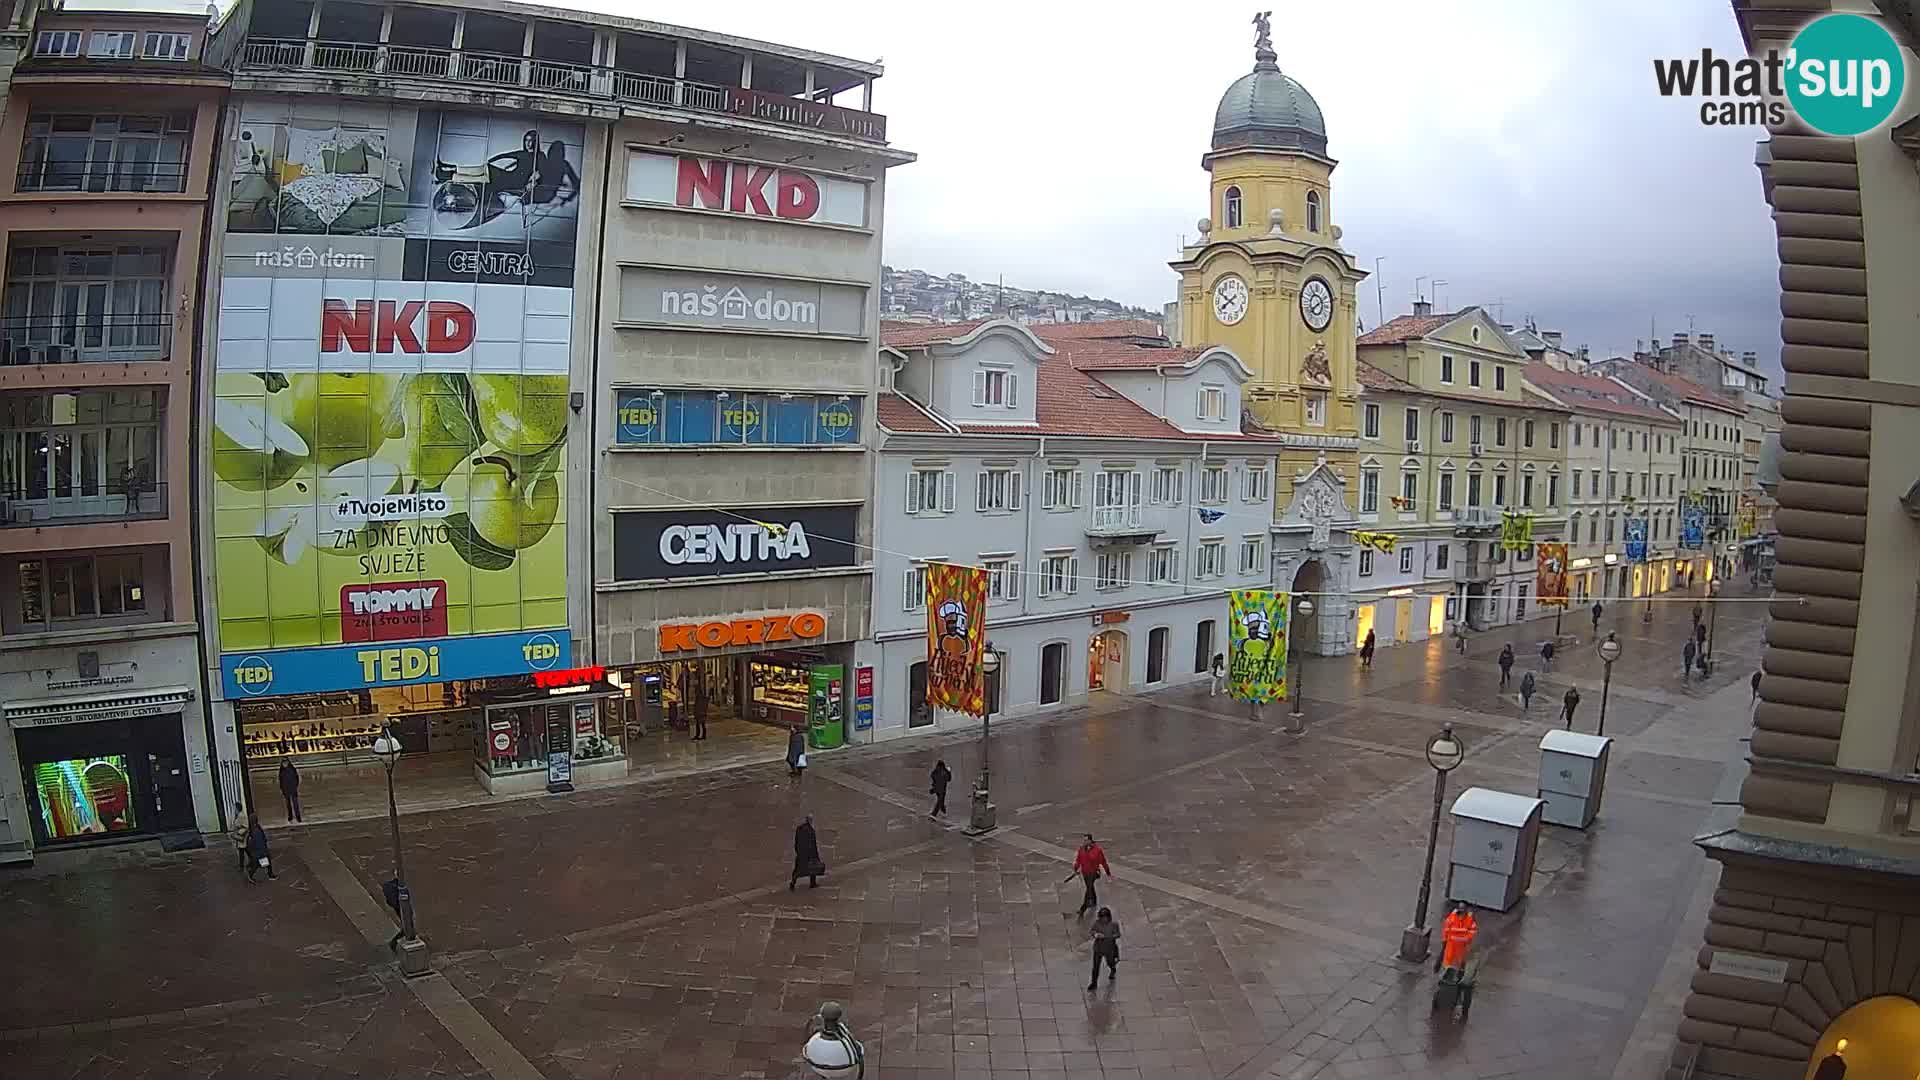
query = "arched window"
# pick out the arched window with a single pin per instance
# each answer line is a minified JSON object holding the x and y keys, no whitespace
{"x":1313,"y":211}
{"x":1231,"y":211}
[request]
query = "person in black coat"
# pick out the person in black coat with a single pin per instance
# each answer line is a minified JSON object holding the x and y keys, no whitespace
{"x":796,"y":753}
{"x":806,"y":855}
{"x":1506,"y":665}
{"x":258,"y":857}
{"x":290,"y":788}
{"x":942,"y":776}
{"x":1366,"y":650}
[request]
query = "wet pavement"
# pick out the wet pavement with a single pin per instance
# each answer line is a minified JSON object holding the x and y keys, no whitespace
{"x":647,"y":930}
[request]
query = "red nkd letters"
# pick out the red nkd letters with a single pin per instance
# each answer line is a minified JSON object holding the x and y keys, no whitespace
{"x":740,"y":188}
{"x":389,"y":326}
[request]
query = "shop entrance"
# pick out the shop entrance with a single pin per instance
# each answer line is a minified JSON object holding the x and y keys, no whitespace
{"x":1403,"y":621}
{"x":740,"y":706}
{"x":106,"y":779}
{"x":1053,"y":671}
{"x":1107,"y":661}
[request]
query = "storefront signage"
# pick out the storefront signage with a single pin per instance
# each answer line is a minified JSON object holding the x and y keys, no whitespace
{"x":750,"y":189}
{"x":769,"y":630}
{"x":84,"y":709}
{"x":1747,"y":966}
{"x":698,"y":542}
{"x":1110,"y":618}
{"x":391,"y":395}
{"x":559,"y":750}
{"x":798,"y":112}
{"x":734,"y":418}
{"x":705,"y":300}
{"x":579,"y":676}
{"x":862,"y":698}
{"x":357,"y":667}
{"x":503,"y":737}
{"x":84,"y":684}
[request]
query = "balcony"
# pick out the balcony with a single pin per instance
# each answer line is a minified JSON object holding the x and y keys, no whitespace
{"x":97,"y":302}
{"x":1121,"y":525}
{"x":84,"y":337}
{"x":22,"y":507}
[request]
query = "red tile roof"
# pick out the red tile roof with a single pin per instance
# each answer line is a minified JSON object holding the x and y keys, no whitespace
{"x":1679,"y":386}
{"x":1590,"y":393}
{"x":1405,"y":328}
{"x":1102,"y":355}
{"x":1107,"y":329}
{"x":901,"y":414}
{"x":1375,"y":379}
{"x":906,"y":335}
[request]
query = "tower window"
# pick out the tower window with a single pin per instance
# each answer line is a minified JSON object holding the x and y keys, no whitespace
{"x":1231,"y":212}
{"x":1313,"y":211}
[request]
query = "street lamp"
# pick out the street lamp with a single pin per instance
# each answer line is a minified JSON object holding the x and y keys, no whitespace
{"x":413,"y":951}
{"x":985,"y":817}
{"x":1609,"y":652}
{"x":1296,"y":687}
{"x":1713,"y":615}
{"x":832,"y":1051}
{"x":1445,"y":753}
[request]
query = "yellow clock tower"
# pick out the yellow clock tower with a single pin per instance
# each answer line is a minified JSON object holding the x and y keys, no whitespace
{"x":1269,"y":280}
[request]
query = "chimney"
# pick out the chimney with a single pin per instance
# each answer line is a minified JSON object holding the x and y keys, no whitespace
{"x":1750,"y":358}
{"x":1552,"y":337}
{"x":1679,"y":340}
{"x":1706,"y":342}
{"x":1422,"y":308}
{"x":1583,"y":356}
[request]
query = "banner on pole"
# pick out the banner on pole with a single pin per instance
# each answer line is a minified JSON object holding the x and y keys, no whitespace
{"x":1636,"y":539}
{"x":956,"y":638}
{"x":1516,"y":530}
{"x":1257,"y":634}
{"x":1551,"y":577}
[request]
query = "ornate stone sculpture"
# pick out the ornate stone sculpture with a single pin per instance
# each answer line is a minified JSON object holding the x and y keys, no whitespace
{"x":1314,"y":365}
{"x":1263,"y":30}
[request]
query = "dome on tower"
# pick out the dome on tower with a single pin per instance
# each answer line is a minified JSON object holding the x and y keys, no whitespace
{"x":1268,"y":109}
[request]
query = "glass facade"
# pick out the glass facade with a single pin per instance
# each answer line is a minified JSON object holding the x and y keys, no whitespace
{"x":735,"y":418}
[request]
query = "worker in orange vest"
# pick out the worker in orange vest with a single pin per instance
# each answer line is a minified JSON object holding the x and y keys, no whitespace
{"x":1457,"y":932}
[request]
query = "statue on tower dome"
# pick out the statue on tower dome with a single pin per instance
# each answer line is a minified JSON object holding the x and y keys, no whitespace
{"x":1263,"y":31}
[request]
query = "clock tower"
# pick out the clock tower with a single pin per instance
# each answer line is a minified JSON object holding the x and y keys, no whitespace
{"x":1269,"y":280}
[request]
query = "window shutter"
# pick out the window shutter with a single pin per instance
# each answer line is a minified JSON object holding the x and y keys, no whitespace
{"x":913,"y":492}
{"x":1073,"y":575}
{"x":979,"y":387}
{"x":1013,"y":389}
{"x":907,"y":593}
{"x":980,"y":488}
{"x":1013,"y":489}
{"x":1133,"y":490}
{"x":1174,"y":565}
{"x":947,"y":485}
{"x":1013,"y":580}
{"x":1076,"y":489}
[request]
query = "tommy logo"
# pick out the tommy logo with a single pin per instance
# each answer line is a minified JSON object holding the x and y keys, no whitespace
{"x":393,"y":610}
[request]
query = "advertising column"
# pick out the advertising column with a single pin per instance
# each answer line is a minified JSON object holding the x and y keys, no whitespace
{"x":391,"y":397}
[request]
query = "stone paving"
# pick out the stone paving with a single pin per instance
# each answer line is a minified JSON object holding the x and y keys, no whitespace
{"x":647,"y":931}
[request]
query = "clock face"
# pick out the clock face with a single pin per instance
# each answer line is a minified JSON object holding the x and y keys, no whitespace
{"x":1229,"y":300}
{"x":1316,"y":303}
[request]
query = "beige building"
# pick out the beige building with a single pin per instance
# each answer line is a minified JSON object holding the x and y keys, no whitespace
{"x":1813,"y":943}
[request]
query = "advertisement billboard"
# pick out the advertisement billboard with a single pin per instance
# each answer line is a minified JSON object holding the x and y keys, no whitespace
{"x":745,"y":188}
{"x":704,"y":300}
{"x":956,"y":638}
{"x":391,"y":396}
{"x":1257,"y":645}
{"x":734,"y":418}
{"x":700,"y":542}
{"x":1550,"y":574}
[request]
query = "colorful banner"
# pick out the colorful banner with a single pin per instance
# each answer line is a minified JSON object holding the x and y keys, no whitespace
{"x":1693,"y":526}
{"x":1382,"y":542}
{"x":391,"y":395}
{"x":956,"y":637}
{"x":1516,"y":530}
{"x":1257,"y":632}
{"x":1550,"y":577}
{"x":1635,"y":535}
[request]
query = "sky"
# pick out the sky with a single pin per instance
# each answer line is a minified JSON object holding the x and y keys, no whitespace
{"x":1514,"y":149}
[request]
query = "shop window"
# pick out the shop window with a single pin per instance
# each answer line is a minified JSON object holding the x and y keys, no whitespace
{"x":919,"y":713}
{"x":1203,"y":647}
{"x":1157,"y":654}
{"x":1053,"y":672}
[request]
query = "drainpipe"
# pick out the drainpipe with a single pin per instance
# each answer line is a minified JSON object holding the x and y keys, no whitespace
{"x":1186,"y":575}
{"x":1026,"y":515}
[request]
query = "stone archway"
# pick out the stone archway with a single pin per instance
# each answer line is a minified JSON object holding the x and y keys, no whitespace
{"x":1310,"y":579}
{"x":1877,"y":1039}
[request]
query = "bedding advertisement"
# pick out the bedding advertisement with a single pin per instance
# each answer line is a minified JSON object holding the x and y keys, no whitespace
{"x":391,"y":396}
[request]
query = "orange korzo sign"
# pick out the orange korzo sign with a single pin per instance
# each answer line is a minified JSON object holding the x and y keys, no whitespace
{"x":769,"y":630}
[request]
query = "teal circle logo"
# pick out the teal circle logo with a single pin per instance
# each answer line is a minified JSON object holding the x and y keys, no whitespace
{"x":1845,"y":74}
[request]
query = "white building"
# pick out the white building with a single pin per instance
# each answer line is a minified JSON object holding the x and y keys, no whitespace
{"x":1106,"y":485}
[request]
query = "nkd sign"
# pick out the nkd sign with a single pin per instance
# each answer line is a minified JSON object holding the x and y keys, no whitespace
{"x":747,"y":188}
{"x":735,"y":302}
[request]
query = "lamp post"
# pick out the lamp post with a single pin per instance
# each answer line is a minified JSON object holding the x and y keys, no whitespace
{"x":1609,"y":652}
{"x":1444,"y":753}
{"x":1296,"y":686}
{"x":413,"y":951}
{"x":985,"y":816}
{"x":1713,"y":614}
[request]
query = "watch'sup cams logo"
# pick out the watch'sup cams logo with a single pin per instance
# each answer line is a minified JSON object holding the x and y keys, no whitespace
{"x":1842,"y":75}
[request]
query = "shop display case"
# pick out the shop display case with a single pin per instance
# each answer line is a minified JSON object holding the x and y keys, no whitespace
{"x":310,"y":741}
{"x":778,"y":687}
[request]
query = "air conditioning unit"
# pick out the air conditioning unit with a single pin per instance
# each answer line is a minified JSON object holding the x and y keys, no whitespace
{"x":1413,"y":446}
{"x":1476,"y":449}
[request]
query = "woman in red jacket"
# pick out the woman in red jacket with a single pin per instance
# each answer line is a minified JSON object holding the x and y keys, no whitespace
{"x":1089,"y":862}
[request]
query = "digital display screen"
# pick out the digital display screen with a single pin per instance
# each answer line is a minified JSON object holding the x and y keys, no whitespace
{"x":84,"y":796}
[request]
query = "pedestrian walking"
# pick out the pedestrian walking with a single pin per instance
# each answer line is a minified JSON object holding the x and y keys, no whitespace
{"x":1105,"y":933}
{"x":1460,"y":638}
{"x":1216,"y":672}
{"x":1526,"y":690}
{"x":796,"y":753}
{"x":806,"y":855}
{"x":1696,"y":615}
{"x":1546,"y":656}
{"x":1596,"y":618}
{"x":1366,"y":650}
{"x":290,"y":788}
{"x":1756,"y":686}
{"x":258,"y":857}
{"x":941,"y":777}
{"x":390,"y":890}
{"x":1700,"y":635}
{"x":700,"y":720}
{"x":1506,"y":664}
{"x":1571,"y":702}
{"x":1686,"y":659}
{"x":1089,"y":862}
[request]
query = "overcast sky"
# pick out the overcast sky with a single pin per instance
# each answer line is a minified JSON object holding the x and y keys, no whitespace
{"x":1515,"y":149}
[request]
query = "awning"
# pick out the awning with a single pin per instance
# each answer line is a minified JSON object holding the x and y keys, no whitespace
{"x":88,"y":708}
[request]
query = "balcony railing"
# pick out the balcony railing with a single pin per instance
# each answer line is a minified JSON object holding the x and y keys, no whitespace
{"x":76,"y":502}
{"x":1114,"y":518}
{"x":556,"y":77}
{"x":152,"y":176}
{"x":69,"y":339}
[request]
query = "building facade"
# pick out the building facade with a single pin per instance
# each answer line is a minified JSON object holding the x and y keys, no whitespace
{"x":106,"y":149}
{"x":1712,"y":457}
{"x":1807,"y":969}
{"x":1453,"y":441}
{"x":499,"y":290}
{"x":1106,"y":486}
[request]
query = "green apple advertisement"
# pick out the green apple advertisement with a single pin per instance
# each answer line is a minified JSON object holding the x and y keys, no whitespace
{"x":391,"y":403}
